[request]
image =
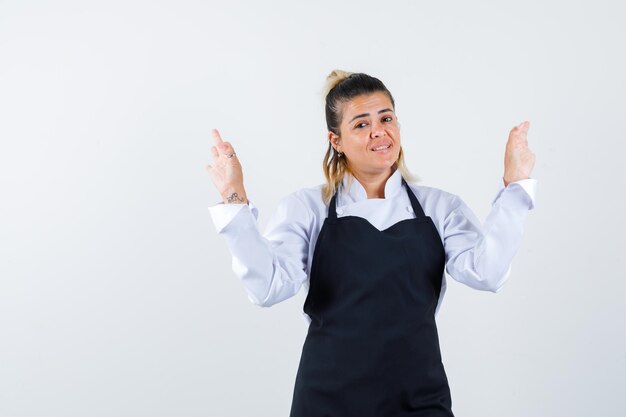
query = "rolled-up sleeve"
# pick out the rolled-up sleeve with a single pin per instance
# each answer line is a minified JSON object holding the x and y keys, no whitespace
{"x":272,"y":265}
{"x":480,"y":255}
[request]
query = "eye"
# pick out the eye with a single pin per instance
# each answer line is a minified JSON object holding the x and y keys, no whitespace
{"x":388,"y":117}
{"x":360,"y":125}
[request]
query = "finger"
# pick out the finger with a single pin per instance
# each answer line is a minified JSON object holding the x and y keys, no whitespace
{"x":214,"y":153}
{"x":513,"y":134}
{"x":216,"y":136}
{"x":519,"y":131}
{"x":524,"y":126}
{"x":524,"y":130}
{"x":226,"y":148}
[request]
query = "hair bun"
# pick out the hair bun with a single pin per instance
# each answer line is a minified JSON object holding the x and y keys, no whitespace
{"x":335,"y":77}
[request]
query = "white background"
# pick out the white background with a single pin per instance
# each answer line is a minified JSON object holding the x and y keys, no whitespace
{"x":117,"y":296}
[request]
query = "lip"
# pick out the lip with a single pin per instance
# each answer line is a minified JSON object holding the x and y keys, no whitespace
{"x":381,"y":144}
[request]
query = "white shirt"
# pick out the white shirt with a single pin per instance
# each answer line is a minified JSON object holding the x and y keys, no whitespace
{"x":274,"y":265}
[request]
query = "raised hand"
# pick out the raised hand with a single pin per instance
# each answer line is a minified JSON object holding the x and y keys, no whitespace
{"x":226,"y":171}
{"x":518,"y":159}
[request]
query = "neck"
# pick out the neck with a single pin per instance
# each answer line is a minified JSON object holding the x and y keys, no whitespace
{"x":373,"y":183}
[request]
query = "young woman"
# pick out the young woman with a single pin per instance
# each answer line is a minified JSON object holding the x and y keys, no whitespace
{"x":370,"y":250}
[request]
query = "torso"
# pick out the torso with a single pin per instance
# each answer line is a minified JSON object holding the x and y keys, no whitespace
{"x":380,"y":213}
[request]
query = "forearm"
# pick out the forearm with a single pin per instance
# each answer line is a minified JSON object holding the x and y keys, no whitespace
{"x":503,"y":231}
{"x":480,"y":255}
{"x":270,"y":270}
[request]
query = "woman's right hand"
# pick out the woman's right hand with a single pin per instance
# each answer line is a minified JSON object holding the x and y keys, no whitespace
{"x":226,"y":171}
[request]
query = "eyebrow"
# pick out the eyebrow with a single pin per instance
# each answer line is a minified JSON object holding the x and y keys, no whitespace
{"x":367,"y":114}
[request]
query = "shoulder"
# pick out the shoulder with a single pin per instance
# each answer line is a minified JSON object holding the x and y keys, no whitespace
{"x":307,"y":200}
{"x":436,"y":202}
{"x":429,"y":194}
{"x":309,"y":196}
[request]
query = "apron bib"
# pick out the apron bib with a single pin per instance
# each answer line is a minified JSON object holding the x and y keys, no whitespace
{"x":372,"y":347}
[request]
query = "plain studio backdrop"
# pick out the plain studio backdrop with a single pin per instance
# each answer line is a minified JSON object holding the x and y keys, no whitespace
{"x":117,"y":296}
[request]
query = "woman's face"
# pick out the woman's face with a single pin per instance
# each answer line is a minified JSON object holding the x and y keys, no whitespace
{"x":369,"y":134}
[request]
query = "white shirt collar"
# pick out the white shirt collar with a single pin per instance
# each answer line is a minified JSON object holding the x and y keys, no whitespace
{"x":353,"y":191}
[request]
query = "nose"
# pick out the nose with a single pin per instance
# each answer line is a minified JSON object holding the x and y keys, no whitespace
{"x":377,"y":129}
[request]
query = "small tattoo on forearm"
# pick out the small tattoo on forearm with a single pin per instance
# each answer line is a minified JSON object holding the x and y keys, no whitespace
{"x":234,"y":197}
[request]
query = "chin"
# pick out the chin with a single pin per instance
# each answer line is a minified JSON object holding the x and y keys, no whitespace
{"x":383,"y":167}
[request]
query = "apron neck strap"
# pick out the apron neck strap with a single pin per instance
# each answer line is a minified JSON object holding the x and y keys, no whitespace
{"x":417,"y":208}
{"x":332,"y":207}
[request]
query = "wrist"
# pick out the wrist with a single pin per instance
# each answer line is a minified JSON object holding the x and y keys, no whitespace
{"x":235,"y":196}
{"x":506,"y":183}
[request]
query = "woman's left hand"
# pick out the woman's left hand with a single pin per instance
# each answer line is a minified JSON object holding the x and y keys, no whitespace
{"x":518,"y":159}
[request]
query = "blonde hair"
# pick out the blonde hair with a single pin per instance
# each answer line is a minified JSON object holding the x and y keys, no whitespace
{"x":341,"y":86}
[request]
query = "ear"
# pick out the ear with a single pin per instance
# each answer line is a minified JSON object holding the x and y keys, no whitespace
{"x":334,"y":140}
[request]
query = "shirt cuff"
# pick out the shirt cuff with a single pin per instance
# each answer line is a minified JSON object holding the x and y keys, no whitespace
{"x":529,"y":185}
{"x":222,"y":214}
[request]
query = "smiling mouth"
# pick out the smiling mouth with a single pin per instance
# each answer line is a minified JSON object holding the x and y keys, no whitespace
{"x":381,"y":147}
